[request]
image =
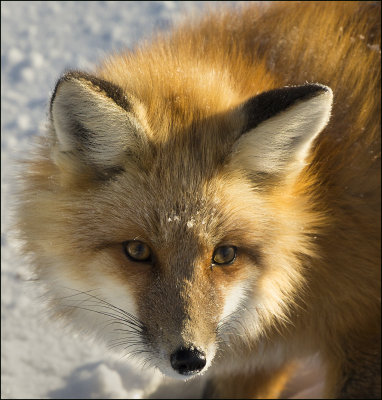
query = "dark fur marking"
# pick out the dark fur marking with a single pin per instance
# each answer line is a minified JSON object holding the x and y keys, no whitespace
{"x":82,"y":134}
{"x":267,"y":104}
{"x":111,"y":173}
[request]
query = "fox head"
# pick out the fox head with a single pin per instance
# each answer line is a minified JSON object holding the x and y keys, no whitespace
{"x":167,"y":243}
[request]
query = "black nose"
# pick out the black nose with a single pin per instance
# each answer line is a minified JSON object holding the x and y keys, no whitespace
{"x":188,"y":361}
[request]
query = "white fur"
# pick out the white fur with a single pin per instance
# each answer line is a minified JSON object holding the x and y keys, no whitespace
{"x":233,"y":297}
{"x":87,"y":301}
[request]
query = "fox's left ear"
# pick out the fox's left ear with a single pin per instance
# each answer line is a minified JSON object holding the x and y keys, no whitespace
{"x":281,"y":126}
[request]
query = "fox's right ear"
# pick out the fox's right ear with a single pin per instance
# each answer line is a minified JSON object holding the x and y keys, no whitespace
{"x":94,"y":123}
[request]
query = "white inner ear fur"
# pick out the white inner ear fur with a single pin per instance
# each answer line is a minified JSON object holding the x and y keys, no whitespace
{"x":111,"y":129}
{"x":282,"y":142}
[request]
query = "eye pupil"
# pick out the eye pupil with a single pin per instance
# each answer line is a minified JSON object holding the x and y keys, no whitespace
{"x":224,"y":255}
{"x":137,"y":251}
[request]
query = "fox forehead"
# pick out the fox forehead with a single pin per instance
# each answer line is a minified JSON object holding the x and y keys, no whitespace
{"x":170,"y":208}
{"x":175,"y":188}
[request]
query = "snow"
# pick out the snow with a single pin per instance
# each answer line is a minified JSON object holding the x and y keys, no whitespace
{"x":40,"y":40}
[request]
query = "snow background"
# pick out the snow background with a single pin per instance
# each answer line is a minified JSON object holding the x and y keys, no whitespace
{"x":39,"y":41}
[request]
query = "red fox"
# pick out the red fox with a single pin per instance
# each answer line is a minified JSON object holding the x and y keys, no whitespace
{"x":209,"y":202}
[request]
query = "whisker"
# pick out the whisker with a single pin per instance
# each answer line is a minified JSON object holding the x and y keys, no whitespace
{"x":123,"y":312}
{"x":102,"y":313}
{"x":131,"y":334}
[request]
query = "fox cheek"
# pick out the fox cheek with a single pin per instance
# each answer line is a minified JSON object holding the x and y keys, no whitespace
{"x":235,"y":296}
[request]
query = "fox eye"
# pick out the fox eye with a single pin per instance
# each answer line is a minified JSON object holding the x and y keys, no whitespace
{"x":224,"y":255}
{"x":137,"y":251}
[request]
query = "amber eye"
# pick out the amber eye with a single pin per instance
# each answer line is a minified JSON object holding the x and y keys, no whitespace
{"x":224,"y":255}
{"x":137,"y":251}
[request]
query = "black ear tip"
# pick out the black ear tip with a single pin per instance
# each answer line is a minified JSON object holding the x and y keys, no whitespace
{"x":267,"y":104}
{"x":67,"y":76}
{"x":318,"y":88}
{"x":292,"y":94}
{"x":322,"y":87}
{"x":108,"y":89}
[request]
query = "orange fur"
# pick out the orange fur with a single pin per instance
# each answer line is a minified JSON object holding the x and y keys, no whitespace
{"x":310,"y":245}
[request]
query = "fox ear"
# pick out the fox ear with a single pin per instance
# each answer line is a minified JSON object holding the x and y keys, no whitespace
{"x":93,"y":122}
{"x":281,"y":126}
